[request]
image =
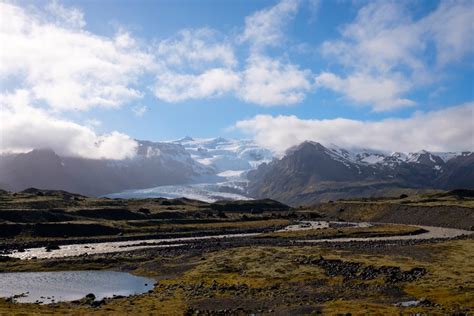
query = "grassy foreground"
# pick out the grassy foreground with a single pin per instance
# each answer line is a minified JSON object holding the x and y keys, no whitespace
{"x":287,"y":279}
{"x":265,"y":274}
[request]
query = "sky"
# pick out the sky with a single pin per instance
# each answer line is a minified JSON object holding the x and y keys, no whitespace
{"x":86,"y":78}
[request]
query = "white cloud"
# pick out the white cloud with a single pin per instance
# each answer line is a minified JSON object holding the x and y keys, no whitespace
{"x":450,"y":129}
{"x":139,"y":110}
{"x":64,"y":65}
{"x":383,"y":92}
{"x":25,"y":127}
{"x":72,"y":17}
{"x":451,"y":28}
{"x":92,"y":123}
{"x":314,"y":7}
{"x":193,"y":48}
{"x":265,"y":27}
{"x":263,"y":81}
{"x":176,"y":87}
{"x":382,"y":37}
{"x":385,"y":44}
{"x":193,"y":65}
{"x":271,"y":82}
{"x":200,"y":63}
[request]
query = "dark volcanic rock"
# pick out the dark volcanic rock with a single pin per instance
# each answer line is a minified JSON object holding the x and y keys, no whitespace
{"x":354,"y":270}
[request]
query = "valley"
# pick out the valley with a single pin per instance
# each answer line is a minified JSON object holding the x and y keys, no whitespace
{"x":213,"y":169}
{"x":241,"y":257}
{"x":249,"y":158}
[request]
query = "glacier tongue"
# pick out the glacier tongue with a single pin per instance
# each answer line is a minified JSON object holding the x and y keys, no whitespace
{"x":203,"y":191}
{"x":230,"y":160}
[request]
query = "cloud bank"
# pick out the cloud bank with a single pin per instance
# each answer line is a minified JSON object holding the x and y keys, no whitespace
{"x":451,"y":129}
{"x":25,"y":127}
{"x":59,"y":67}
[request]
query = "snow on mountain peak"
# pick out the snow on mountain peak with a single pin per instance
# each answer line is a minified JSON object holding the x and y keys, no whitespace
{"x":220,"y":165}
{"x":226,"y":154}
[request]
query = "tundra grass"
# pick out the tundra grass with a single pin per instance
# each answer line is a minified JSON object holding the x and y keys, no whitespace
{"x":275,"y":277}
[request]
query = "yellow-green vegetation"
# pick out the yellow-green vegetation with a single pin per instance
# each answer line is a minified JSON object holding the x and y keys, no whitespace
{"x":253,"y":266}
{"x":340,"y":232}
{"x":131,"y":228}
{"x":286,"y":279}
{"x":451,"y":278}
{"x":255,"y":274}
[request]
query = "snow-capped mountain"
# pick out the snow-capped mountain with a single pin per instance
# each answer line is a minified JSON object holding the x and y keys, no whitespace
{"x":218,"y":168}
{"x":212,"y":169}
{"x":374,"y":157}
{"x":222,"y":172}
{"x":154,"y":164}
{"x":311,"y":172}
{"x":224,"y":155}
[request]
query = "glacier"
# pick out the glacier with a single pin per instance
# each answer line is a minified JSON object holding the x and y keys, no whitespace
{"x":219,"y":166}
{"x":222,"y":176}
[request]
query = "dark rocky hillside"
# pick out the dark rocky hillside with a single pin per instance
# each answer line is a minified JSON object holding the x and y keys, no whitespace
{"x":155,"y":164}
{"x":311,"y":172}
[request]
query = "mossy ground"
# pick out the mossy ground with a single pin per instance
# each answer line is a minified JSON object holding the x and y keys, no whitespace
{"x":272,"y":278}
{"x":261,"y":275}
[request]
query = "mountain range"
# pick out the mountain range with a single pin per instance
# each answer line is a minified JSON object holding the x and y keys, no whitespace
{"x":217,"y":168}
{"x":183,"y":162}
{"x":155,"y":164}
{"x":311,"y":172}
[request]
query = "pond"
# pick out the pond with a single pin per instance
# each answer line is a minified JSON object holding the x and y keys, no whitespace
{"x":49,"y":287}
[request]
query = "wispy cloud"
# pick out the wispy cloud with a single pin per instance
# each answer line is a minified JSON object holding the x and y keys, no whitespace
{"x":195,"y":49}
{"x":196,"y":64}
{"x":314,"y":7}
{"x":177,"y":87}
{"x":66,"y":16}
{"x":384,"y":51}
{"x":266,"y":27}
{"x":139,"y":110}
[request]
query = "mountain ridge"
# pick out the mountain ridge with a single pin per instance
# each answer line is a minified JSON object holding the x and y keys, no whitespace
{"x":308,"y":172}
{"x":311,"y":172}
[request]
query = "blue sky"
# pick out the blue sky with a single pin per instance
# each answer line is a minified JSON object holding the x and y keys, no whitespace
{"x":107,"y":72}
